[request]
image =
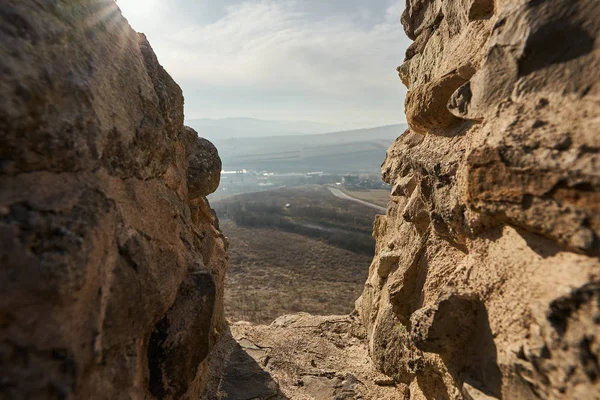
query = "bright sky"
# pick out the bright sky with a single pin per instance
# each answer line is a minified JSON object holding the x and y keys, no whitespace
{"x":330,"y":61}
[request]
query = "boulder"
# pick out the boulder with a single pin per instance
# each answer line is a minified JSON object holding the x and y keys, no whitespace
{"x":111,"y":261}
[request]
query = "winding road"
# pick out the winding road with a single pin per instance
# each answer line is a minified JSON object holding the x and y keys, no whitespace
{"x":338,"y":193}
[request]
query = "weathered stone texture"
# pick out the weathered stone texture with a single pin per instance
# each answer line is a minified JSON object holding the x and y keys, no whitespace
{"x":111,"y":261}
{"x":485,"y":282}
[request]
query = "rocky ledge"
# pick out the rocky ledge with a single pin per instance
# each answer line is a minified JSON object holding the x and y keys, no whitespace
{"x":299,"y":357}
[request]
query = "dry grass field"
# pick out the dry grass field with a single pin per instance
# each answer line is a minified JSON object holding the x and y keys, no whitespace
{"x":312,"y":211}
{"x":294,"y":249}
{"x":274,"y":273}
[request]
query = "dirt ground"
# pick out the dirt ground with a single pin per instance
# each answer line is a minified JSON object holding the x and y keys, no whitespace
{"x":299,"y":357}
{"x":273,"y":273}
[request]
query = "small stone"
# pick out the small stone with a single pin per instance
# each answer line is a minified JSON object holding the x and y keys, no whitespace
{"x":384,"y":382}
{"x":538,"y":124}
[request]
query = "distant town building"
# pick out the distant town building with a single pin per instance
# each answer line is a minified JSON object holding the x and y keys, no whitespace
{"x":350,"y":180}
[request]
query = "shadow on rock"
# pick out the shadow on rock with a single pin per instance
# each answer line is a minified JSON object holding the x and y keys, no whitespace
{"x":458,"y":329}
{"x":244,"y":379}
{"x":239,"y":376}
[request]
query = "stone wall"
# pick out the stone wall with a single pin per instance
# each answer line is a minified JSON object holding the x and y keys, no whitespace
{"x":486,"y":280}
{"x":111,"y":260}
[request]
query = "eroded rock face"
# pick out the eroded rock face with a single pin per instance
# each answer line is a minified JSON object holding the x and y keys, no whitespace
{"x":111,"y":261}
{"x":485,"y":283}
{"x":204,"y":164}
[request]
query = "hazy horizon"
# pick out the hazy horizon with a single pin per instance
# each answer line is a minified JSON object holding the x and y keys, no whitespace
{"x":295,"y":61}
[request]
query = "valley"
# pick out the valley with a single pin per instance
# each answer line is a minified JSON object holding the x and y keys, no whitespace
{"x":355,"y":151}
{"x":295,"y":249}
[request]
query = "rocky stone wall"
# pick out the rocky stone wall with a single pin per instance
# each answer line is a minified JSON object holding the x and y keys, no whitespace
{"x":486,"y":282}
{"x":111,"y":260}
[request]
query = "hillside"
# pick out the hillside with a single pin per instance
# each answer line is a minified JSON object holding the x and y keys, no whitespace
{"x":361,"y":150}
{"x":215,"y":128}
{"x":274,"y":272}
{"x":300,"y":249}
{"x":312,"y":211}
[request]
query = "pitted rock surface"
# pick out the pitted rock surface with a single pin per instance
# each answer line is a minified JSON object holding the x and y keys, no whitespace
{"x":487,"y":269}
{"x":111,"y":261}
{"x":204,"y":164}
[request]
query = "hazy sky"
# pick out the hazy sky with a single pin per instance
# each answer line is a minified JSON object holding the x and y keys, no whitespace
{"x":329,"y":61}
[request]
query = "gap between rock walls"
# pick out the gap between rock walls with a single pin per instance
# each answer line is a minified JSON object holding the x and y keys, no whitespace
{"x":485,"y":280}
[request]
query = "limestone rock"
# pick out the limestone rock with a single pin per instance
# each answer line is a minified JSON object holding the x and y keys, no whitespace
{"x":111,"y":262}
{"x":204,"y":164}
{"x":426,"y":106}
{"x":485,"y":278}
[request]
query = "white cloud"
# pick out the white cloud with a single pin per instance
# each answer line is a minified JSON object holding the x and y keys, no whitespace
{"x":279,"y":46}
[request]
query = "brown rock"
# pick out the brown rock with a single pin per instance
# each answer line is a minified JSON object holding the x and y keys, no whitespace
{"x":204,"y":164}
{"x":111,"y":279}
{"x":426,"y":105}
{"x":494,"y":217}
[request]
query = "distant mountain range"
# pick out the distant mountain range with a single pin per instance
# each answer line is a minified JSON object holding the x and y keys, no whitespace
{"x":358,"y":151}
{"x":249,"y":127}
